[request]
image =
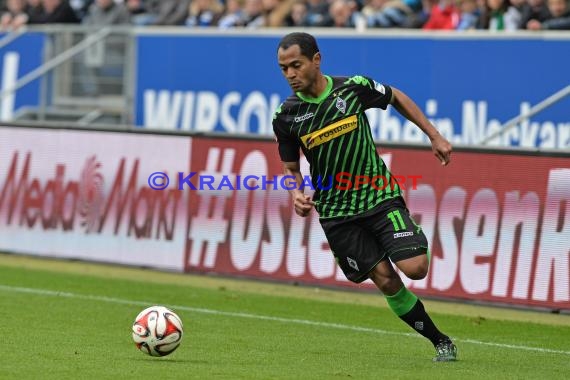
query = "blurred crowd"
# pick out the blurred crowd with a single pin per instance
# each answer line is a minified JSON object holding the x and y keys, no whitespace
{"x":496,"y":15}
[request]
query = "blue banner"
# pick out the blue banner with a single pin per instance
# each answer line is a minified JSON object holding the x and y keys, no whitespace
{"x":469,"y":87}
{"x":18,"y":58}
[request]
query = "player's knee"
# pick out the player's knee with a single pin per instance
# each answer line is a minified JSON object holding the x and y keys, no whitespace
{"x":415,"y":268}
{"x":389,"y":285}
{"x":419,"y":272}
{"x":386,"y":284}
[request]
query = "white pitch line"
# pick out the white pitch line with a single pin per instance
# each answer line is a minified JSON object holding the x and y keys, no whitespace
{"x":52,"y":293}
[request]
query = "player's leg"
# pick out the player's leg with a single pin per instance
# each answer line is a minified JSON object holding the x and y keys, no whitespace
{"x":359,"y":254}
{"x":415,"y":267}
{"x":409,"y":308}
{"x":355,"y":248}
{"x":407,"y":248}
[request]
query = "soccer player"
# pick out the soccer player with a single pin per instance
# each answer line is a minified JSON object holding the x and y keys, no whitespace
{"x":360,"y":206}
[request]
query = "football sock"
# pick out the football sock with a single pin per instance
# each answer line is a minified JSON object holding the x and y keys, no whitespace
{"x":411,"y":310}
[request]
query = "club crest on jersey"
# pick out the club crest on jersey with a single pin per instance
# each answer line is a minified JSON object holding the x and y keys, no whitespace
{"x":330,"y":132}
{"x":341,"y":104}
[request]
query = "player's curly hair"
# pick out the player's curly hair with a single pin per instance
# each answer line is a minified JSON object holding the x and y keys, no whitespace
{"x":306,"y":42}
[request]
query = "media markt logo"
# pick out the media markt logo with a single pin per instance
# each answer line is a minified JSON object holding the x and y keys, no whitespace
{"x":352,"y":263}
{"x":91,"y":197}
{"x":56,"y":201}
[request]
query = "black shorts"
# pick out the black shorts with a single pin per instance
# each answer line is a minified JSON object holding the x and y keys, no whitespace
{"x":362,"y":241}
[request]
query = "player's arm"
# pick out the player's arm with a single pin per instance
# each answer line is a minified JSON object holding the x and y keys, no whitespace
{"x":409,"y":109}
{"x":302,"y":202}
{"x":289,"y":153}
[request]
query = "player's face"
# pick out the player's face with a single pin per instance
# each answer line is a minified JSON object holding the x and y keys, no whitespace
{"x":300,"y":71}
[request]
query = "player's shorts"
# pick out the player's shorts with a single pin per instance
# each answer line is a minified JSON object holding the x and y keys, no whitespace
{"x":360,"y":242}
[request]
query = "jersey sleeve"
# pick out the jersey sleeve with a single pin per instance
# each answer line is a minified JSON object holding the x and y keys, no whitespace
{"x":288,"y":144}
{"x":376,"y":94}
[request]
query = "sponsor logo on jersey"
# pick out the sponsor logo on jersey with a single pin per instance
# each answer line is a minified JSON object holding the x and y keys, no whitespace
{"x":299,"y":119}
{"x":330,"y":132}
{"x":341,"y":104}
{"x":403,"y":234}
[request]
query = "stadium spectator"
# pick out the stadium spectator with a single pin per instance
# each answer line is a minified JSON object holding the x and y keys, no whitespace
{"x":297,"y":15}
{"x":392,"y":13}
{"x":276,"y":11}
{"x":318,"y":13}
{"x":204,"y":13}
{"x":80,"y":7}
{"x":233,"y":14}
{"x":419,"y":18}
{"x":55,"y":12}
{"x":536,"y":10}
{"x":253,"y":14}
{"x":341,"y":14}
{"x":171,"y":12}
{"x":500,"y":15}
{"x":14,"y":16}
{"x":372,"y":7}
{"x":520,"y":6}
{"x":106,"y":12}
{"x":469,"y":17}
{"x":443,"y":16}
{"x":135,"y":7}
{"x":560,"y":12}
{"x":35,"y":11}
{"x":141,"y":12}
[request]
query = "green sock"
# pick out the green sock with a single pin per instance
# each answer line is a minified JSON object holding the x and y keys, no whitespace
{"x":411,"y":310}
{"x":402,"y":302}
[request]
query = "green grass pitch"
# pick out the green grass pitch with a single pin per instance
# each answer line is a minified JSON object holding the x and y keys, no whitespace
{"x":70,"y":320}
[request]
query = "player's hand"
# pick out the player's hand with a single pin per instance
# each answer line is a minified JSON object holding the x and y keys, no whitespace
{"x":442,"y":149}
{"x":303,"y":204}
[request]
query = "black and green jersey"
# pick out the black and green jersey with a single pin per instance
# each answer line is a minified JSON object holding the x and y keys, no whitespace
{"x":348,"y":175}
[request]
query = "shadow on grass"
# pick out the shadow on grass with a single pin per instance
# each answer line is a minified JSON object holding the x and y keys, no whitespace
{"x":167,"y":361}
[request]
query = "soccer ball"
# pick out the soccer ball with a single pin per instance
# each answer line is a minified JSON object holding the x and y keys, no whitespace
{"x":157,"y":331}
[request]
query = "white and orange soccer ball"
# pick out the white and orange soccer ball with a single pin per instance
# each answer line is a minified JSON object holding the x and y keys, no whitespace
{"x":157,"y":331}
